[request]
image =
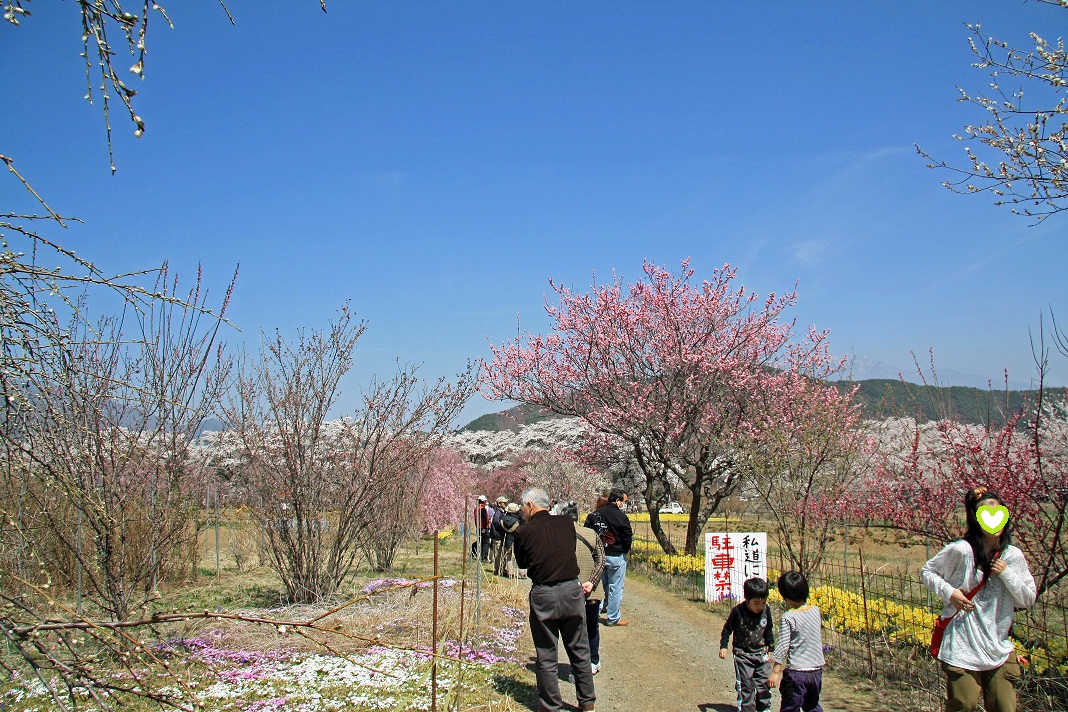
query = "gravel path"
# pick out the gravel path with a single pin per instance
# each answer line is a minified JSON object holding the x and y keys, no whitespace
{"x":667,"y":659}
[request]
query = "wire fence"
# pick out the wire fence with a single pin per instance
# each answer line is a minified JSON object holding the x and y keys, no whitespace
{"x":877,"y":625}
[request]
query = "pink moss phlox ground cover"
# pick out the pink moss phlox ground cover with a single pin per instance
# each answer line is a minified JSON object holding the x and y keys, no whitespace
{"x":231,"y":665}
{"x":467,"y":653}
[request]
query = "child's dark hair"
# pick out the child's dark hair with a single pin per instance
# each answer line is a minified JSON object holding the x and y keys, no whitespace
{"x":974,"y":534}
{"x":755,"y":588}
{"x":793,"y":586}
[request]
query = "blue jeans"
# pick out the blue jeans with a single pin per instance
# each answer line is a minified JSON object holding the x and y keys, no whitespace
{"x":615,"y":573}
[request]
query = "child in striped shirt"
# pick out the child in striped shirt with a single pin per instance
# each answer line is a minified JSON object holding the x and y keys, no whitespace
{"x":798,"y":659}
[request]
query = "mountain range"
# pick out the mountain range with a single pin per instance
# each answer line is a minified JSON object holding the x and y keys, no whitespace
{"x":880,"y":398}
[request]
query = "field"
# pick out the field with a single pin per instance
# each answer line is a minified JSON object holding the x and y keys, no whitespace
{"x":244,"y":648}
{"x":877,"y":614}
{"x":250,"y":651}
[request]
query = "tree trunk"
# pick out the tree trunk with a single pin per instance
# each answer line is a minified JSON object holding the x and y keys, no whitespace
{"x":696,"y":523}
{"x":659,"y":533}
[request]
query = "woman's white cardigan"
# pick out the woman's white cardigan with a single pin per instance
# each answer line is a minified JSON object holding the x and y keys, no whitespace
{"x":979,"y":639}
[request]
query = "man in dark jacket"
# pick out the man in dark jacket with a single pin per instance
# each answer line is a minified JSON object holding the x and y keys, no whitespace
{"x":545,"y":547}
{"x":483,"y":525}
{"x":613,"y":526}
{"x":510,"y":521}
{"x":496,"y":532}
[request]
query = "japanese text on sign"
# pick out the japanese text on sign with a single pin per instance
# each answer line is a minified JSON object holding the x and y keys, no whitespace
{"x":730,"y":559}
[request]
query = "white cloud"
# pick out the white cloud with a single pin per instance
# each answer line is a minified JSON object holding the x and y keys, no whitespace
{"x":809,"y":252}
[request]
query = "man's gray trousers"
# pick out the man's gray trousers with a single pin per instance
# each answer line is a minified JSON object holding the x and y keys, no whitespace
{"x":558,"y":611}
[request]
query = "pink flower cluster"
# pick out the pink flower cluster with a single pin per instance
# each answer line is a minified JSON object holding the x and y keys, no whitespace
{"x":482,"y":656}
{"x":231,"y":665}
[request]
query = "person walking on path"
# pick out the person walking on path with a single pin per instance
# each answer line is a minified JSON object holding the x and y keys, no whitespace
{"x":509,"y":524}
{"x":589,"y":550}
{"x":613,"y":526}
{"x":982,"y":579}
{"x":496,"y":531}
{"x":750,"y":623}
{"x":798,"y":660}
{"x":545,"y":547}
{"x":483,"y":522}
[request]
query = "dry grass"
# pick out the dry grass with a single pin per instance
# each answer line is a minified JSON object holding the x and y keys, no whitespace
{"x":398,"y":619}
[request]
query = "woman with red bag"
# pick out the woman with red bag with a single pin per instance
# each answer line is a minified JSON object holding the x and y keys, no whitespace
{"x":982,"y":579}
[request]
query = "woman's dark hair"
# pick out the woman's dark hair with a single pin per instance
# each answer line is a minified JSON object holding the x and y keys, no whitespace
{"x":974,"y":534}
{"x":793,"y":586}
{"x":755,"y":588}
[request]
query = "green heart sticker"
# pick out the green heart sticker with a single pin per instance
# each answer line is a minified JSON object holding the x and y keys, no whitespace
{"x":992,"y":519}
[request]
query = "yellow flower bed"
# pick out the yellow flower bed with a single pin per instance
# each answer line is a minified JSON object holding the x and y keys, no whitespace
{"x":643,"y":517}
{"x":843,"y":611}
{"x":1052,"y":660}
{"x":679,"y":564}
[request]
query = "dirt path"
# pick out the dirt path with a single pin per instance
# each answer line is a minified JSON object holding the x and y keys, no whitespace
{"x":667,"y":659}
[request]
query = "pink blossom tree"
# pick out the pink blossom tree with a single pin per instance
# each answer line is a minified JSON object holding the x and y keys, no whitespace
{"x":444,"y":493}
{"x":558,"y":472}
{"x":507,"y":481}
{"x":924,"y":470}
{"x":664,"y":368}
{"x":802,"y":449}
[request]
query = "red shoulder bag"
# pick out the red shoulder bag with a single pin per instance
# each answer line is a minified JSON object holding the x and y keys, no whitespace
{"x":940,"y":625}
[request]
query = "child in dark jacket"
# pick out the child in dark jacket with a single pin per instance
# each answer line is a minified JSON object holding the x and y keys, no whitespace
{"x":754,"y":638}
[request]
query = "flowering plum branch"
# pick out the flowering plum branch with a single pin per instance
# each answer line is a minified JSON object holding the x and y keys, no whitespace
{"x":1027,"y":144}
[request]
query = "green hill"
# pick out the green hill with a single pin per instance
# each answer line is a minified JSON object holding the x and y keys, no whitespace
{"x":511,"y":419}
{"x":884,"y":398}
{"x":880,"y":397}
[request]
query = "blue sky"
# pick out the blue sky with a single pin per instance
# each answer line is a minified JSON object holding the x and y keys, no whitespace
{"x":435,"y":163}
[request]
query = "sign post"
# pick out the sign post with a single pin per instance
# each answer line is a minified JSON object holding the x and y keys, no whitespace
{"x":730,"y":559}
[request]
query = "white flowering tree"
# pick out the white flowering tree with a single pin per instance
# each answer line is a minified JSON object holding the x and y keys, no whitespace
{"x":1019,"y":152}
{"x":323,"y":491}
{"x":96,"y":433}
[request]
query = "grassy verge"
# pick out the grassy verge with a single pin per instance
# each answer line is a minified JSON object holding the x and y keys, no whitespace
{"x":371,"y":655}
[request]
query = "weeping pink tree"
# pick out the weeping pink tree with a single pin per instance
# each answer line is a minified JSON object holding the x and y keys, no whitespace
{"x":665,"y":368}
{"x":442,"y":498}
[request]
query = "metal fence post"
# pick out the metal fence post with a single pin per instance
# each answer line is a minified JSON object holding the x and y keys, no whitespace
{"x":845,"y":557}
{"x":463,"y":576}
{"x":434,"y":635}
{"x":867,"y":620}
{"x":927,"y":556}
{"x":78,"y":608}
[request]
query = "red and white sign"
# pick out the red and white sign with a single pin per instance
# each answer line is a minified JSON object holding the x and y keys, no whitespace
{"x":730,"y":559}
